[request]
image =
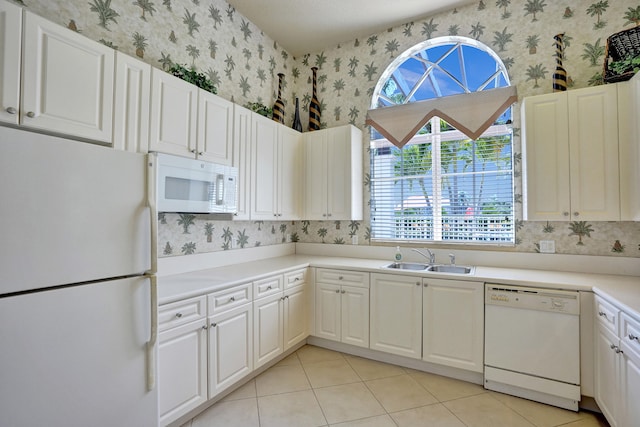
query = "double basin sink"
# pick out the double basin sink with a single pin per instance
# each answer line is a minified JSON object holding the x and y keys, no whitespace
{"x":435,"y":268}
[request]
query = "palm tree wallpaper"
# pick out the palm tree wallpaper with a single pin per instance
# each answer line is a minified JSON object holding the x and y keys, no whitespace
{"x":243,"y":64}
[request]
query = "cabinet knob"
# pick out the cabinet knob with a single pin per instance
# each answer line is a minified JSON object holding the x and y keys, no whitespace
{"x":417,"y":283}
{"x":565,"y":213}
{"x":633,"y":337}
{"x":328,"y":214}
{"x":200,"y":153}
{"x":269,"y":287}
{"x":576,"y":214}
{"x":11,"y":110}
{"x":337,"y":291}
{"x":178,"y":315}
{"x":425,"y":285}
{"x":232,"y":299}
{"x":213,"y":325}
{"x":193,"y":151}
{"x":324,"y":214}
{"x":343,"y":292}
{"x":340,"y":277}
{"x":618,"y":351}
{"x":31,"y":114}
{"x":204,"y":327}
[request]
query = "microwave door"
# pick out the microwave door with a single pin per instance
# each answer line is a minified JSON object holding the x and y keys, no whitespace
{"x":184,"y":190}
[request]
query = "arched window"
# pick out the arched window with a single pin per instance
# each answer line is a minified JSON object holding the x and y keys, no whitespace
{"x":442,"y":185}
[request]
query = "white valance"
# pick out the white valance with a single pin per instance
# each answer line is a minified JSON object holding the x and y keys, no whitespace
{"x":470,"y":113}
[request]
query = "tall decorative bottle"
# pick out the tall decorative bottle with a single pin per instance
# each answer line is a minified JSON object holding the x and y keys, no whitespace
{"x":297,"y":124}
{"x":278,"y":107}
{"x":314,"y":105}
{"x":560,"y":74}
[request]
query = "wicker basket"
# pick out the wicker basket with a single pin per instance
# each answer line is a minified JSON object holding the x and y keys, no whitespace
{"x":622,"y":45}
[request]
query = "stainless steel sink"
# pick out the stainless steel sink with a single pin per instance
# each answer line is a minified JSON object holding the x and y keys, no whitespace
{"x":407,"y":266}
{"x":453,"y":269}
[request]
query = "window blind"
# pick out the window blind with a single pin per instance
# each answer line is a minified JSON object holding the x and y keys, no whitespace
{"x":443,"y":186}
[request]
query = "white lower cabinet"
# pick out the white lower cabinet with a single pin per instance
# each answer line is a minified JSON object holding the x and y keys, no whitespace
{"x":280,"y":316}
{"x":617,"y":365}
{"x":342,"y":306}
{"x":453,"y":323}
{"x":182,"y":356}
{"x":396,"y":314}
{"x":230,"y":347}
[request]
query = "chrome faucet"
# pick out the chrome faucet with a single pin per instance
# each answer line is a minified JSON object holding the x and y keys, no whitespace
{"x":431,"y":257}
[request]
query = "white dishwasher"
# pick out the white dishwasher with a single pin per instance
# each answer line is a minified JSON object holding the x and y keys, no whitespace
{"x":532,"y":344}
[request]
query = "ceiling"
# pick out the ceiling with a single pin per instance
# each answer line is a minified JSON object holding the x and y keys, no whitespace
{"x":308,"y":26}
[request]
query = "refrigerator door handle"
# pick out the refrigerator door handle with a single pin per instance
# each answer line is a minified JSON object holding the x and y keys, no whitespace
{"x":153,"y":339}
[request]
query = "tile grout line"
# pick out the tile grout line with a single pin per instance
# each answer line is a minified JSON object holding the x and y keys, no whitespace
{"x":312,"y":388}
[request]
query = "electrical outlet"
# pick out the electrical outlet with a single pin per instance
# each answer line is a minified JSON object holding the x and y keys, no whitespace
{"x":547,"y":246}
{"x":288,"y":237}
{"x":354,"y":239}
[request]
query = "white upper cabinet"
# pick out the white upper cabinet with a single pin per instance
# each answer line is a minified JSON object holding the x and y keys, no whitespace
{"x":131,"y":104}
{"x":276,"y":153}
{"x":215,"y":128}
{"x":242,"y":159}
{"x":174,"y":115}
{"x":628,"y":113}
{"x":333,"y":172}
{"x":67,"y":82}
{"x":188,"y":121}
{"x":570,"y":145}
{"x":10,"y":44}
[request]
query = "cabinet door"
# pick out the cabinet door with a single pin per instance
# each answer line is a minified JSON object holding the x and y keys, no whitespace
{"x":546,"y":149}
{"x":242,"y":159}
{"x":315,"y":194}
{"x":215,"y":128}
{"x":355,"y":316}
{"x":264,"y":167}
{"x":328,"y":324}
{"x":344,"y":173}
{"x":630,"y":386}
{"x":629,"y":148}
{"x":267,"y":329}
{"x":289,"y":173}
{"x":10,"y":44}
{"x":131,"y":104}
{"x":174,"y":105}
{"x":607,"y":372}
{"x":182,"y":370}
{"x":67,"y":81}
{"x":593,"y":151}
{"x":296,"y":327}
{"x":230,"y":348}
{"x":396,"y":315}
{"x":453,"y":319}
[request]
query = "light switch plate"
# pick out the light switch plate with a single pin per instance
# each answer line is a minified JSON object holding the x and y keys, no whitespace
{"x":547,"y":246}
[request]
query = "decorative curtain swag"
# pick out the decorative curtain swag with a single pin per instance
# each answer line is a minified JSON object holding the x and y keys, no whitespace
{"x":470,"y":113}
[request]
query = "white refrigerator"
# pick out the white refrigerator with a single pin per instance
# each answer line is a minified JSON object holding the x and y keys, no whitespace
{"x":77,"y":311}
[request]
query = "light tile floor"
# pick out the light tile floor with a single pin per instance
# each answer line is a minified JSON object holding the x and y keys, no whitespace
{"x":320,"y":387}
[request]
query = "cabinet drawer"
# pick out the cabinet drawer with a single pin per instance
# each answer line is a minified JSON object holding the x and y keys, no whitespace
{"x":181,"y":312}
{"x":607,"y":315}
{"x":295,"y":278}
{"x":227,"y":299}
{"x":630,"y":332}
{"x":268,"y":286}
{"x":342,"y":277}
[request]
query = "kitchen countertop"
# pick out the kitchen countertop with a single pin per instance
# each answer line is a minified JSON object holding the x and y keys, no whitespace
{"x":623,"y":290}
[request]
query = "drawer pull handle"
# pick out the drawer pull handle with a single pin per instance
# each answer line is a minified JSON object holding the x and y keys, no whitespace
{"x":178,"y":315}
{"x":633,"y":337}
{"x":612,"y":346}
{"x":602,"y":314}
{"x":296,"y":279}
{"x":204,"y":327}
{"x":339,"y":277}
{"x":232,"y":299}
{"x":269,"y":287}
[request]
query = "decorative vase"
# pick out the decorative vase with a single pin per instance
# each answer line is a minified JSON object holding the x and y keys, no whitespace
{"x":560,"y":74}
{"x":278,"y":107}
{"x":314,"y":105}
{"x":297,"y":125}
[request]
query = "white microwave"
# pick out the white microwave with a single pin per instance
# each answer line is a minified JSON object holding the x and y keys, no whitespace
{"x":195,"y":186}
